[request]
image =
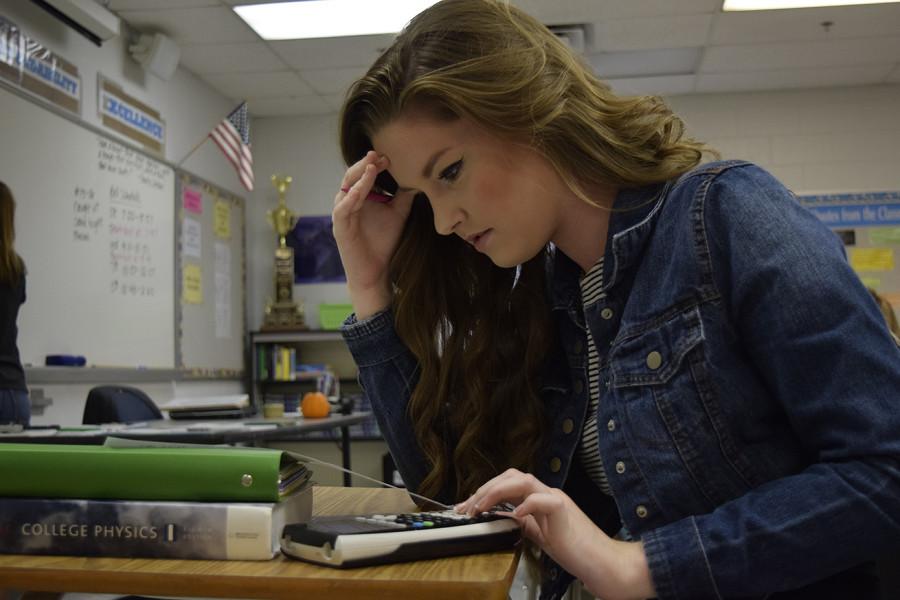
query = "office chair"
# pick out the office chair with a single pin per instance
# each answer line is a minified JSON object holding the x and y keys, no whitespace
{"x":118,"y":404}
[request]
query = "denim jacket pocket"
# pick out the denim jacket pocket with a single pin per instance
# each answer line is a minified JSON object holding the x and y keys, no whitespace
{"x":661,"y":384}
{"x":654,"y":354}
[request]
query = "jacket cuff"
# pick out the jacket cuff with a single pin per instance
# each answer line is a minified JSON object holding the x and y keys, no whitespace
{"x":373,"y":340}
{"x":678,"y":562}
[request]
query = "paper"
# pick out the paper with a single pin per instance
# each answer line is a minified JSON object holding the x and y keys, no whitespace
{"x":884,"y":235}
{"x":192,"y":201}
{"x":872,"y":259}
{"x":191,"y":237}
{"x":222,"y":219}
{"x":192,"y":287}
{"x":222,"y":292}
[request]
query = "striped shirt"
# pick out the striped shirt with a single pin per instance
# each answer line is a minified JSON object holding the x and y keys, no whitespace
{"x":589,"y":448}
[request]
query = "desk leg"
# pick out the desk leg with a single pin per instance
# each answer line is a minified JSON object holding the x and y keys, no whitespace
{"x":345,"y":454}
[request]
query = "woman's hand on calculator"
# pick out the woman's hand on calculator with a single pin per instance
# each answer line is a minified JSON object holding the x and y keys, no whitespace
{"x":609,"y":569}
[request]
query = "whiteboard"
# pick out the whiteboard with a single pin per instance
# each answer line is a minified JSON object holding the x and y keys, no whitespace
{"x":95,"y":226}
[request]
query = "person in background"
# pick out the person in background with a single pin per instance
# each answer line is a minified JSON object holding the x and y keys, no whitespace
{"x":668,"y":367}
{"x":14,"y":404}
{"x":887,"y":312}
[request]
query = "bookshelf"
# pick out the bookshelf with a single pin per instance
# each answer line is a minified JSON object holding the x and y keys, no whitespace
{"x":268,"y":377}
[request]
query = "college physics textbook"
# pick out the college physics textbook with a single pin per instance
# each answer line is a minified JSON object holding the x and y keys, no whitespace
{"x":170,"y":473}
{"x":138,"y":529}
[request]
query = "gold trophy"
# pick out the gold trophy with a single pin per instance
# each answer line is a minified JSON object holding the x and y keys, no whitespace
{"x":283,"y":313}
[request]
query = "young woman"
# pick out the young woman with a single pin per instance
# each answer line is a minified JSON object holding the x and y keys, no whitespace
{"x":668,"y":367}
{"x":14,"y":404}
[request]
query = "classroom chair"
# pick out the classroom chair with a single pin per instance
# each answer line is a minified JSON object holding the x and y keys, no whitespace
{"x":118,"y":404}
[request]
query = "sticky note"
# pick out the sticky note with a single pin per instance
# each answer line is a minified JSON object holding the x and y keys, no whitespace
{"x":192,"y":288}
{"x":222,"y":219}
{"x":872,"y":259}
{"x":193,"y":201}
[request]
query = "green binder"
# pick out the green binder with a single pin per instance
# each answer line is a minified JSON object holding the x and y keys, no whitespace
{"x":152,"y":473}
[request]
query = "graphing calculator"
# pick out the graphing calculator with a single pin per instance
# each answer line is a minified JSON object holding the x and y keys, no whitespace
{"x":359,"y":541}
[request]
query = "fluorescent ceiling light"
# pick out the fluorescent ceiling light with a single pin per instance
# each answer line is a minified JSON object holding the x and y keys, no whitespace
{"x":777,"y":4}
{"x":329,"y":18}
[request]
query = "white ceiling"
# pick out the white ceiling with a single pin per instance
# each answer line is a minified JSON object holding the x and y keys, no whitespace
{"x":665,"y":47}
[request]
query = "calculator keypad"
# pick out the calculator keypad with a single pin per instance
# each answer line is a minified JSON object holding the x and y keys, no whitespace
{"x":430,"y":520}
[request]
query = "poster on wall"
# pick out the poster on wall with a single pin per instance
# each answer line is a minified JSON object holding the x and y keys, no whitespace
{"x":30,"y":66}
{"x":316,"y":258}
{"x":130,"y":117}
{"x":868,"y":223}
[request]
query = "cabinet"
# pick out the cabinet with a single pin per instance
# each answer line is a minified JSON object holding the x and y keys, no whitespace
{"x":270,"y":350}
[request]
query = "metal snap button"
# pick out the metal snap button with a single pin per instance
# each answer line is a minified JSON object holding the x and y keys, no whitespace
{"x":246,"y":480}
{"x":555,"y":464}
{"x":611,"y":425}
{"x":654,"y":360}
{"x":568,"y":425}
{"x":620,"y":467}
{"x":607,"y":313}
{"x":579,"y":386}
{"x":641,"y":511}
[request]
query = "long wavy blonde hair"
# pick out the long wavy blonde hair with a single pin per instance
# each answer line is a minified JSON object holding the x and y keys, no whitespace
{"x":481,"y":332}
{"x":11,"y":265}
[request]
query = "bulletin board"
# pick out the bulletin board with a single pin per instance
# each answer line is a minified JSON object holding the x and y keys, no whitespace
{"x":869,"y":225}
{"x":210,"y":285}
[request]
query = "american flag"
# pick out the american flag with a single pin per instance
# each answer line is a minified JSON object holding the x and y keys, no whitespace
{"x":233,"y":136}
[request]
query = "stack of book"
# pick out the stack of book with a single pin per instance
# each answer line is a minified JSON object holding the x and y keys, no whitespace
{"x":209,"y":407}
{"x":152,"y":502}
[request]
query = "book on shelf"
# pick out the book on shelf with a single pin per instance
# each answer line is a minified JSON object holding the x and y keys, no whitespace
{"x":275,"y":362}
{"x":150,"y":529}
{"x":181,"y":473}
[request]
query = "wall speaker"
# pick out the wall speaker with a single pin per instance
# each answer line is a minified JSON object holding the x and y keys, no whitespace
{"x":157,"y":53}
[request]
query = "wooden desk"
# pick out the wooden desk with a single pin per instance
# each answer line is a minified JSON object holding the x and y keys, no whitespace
{"x":483,"y":576}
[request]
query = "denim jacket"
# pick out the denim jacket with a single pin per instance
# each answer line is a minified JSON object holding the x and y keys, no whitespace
{"x":750,"y":391}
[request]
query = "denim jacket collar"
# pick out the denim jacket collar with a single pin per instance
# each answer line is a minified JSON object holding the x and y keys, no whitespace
{"x":634,"y":212}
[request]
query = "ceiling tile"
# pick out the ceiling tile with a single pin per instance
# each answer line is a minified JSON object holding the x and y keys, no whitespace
{"x":639,"y":46}
{"x":666,"y":85}
{"x":582,"y":11}
{"x":777,"y":56}
{"x":332,"y":81}
{"x":651,"y":33}
{"x":210,"y":25}
{"x":894,"y":76}
{"x":753,"y":27}
{"x":791,"y":78}
{"x":230,"y":58}
{"x":288,"y":105}
{"x":356,"y":51}
{"x":259,"y":84}
{"x":679,"y":61}
{"x":116,"y":5}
